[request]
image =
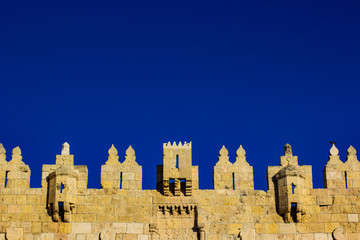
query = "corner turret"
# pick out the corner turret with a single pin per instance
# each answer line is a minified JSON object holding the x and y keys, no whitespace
{"x":291,"y":184}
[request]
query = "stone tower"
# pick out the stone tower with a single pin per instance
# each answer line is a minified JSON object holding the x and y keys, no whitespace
{"x":62,"y":187}
{"x":177,"y":174}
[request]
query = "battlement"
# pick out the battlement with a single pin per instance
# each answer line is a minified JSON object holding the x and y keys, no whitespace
{"x":65,"y":208}
{"x":169,"y":145}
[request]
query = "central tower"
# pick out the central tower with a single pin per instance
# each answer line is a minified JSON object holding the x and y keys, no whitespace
{"x":177,"y":175}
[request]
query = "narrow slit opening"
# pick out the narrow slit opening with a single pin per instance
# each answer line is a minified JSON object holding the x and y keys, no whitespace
{"x":121,"y":180}
{"x":233,"y":181}
{"x":293,"y":211}
{"x":61,"y":210}
{"x":6,"y":178}
{"x":61,"y":188}
{"x":346,"y":183}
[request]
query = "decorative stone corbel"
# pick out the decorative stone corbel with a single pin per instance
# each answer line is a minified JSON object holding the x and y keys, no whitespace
{"x":14,"y":234}
{"x":339,"y":234}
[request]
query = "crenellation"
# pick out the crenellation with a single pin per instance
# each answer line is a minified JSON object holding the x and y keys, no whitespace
{"x":14,"y":174}
{"x":126,"y":175}
{"x":64,"y":208}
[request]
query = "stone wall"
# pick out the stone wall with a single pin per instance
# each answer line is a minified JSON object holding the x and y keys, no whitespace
{"x":64,"y":208}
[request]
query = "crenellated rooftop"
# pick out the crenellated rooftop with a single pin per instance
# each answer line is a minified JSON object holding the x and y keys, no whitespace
{"x":178,"y":209}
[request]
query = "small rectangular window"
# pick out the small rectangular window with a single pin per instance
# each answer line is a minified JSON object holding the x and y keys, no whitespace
{"x":177,"y":161}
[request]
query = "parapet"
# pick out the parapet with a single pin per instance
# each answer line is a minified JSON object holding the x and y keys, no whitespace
{"x":65,"y":208}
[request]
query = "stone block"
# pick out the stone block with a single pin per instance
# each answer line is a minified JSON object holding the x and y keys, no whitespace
{"x":36,"y":227}
{"x":81,"y":228}
{"x":14,"y":233}
{"x":234,"y":228}
{"x":81,"y":236}
{"x":48,"y":236}
{"x":136,"y":228}
{"x":143,"y":237}
{"x":353,"y":217}
{"x":321,"y":236}
{"x":287,"y":228}
{"x":308,"y":236}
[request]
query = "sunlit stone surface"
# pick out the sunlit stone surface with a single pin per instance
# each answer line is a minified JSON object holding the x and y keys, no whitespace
{"x":64,"y":208}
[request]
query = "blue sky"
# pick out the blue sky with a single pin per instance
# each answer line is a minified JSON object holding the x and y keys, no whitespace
{"x":257,"y":73}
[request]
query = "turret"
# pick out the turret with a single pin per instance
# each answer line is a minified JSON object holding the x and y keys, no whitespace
{"x":291,"y":184}
{"x":177,"y":174}
{"x":62,"y":187}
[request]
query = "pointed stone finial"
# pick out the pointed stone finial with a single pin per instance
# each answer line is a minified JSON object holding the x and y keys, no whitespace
{"x":223,"y":158}
{"x":130,"y":152}
{"x":288,"y":157}
{"x":180,"y":145}
{"x":223,"y":152}
{"x":113,"y":151}
{"x":351,"y":154}
{"x":2,"y":154}
{"x":130,"y":156}
{"x":287,"y":150}
{"x":240,"y":152}
{"x":16,"y":156}
{"x":240,"y":157}
{"x":333,"y":150}
{"x":16,"y":151}
{"x":174,"y":144}
{"x":65,"y":149}
{"x":2,"y":149}
{"x":351,"y":151}
{"x":113,"y":158}
{"x":334,"y":157}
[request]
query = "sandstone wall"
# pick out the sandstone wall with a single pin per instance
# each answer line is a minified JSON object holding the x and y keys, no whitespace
{"x":64,"y":208}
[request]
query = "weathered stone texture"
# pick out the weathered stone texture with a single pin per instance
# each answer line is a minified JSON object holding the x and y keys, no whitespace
{"x":64,"y":208}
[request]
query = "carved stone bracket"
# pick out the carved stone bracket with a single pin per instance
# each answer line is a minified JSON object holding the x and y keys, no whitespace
{"x":177,"y":209}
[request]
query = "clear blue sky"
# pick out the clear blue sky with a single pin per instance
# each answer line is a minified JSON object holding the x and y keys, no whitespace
{"x":256,"y":73}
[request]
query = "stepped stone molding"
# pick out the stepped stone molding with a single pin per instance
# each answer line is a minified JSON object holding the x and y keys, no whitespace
{"x":65,"y":208}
